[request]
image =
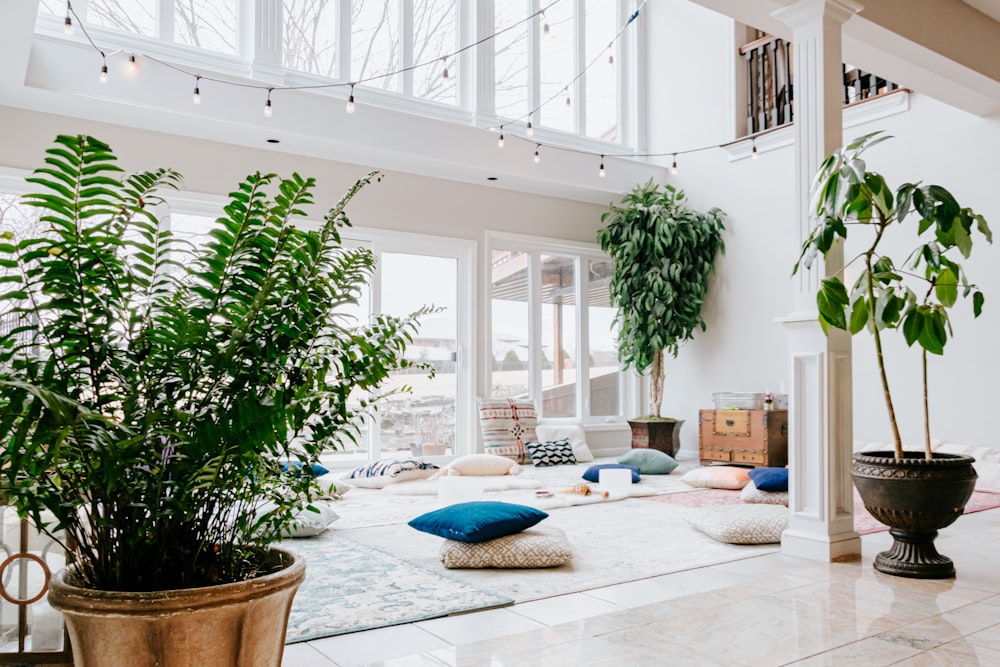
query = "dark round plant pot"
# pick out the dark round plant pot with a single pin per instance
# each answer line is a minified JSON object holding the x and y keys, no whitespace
{"x":915,"y":498}
{"x":230,"y":625}
{"x":664,"y":435}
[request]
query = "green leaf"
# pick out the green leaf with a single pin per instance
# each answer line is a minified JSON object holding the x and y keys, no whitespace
{"x":913,"y":324}
{"x":946,"y":288}
{"x":831,"y":301}
{"x":859,"y":315}
{"x":977,"y":303}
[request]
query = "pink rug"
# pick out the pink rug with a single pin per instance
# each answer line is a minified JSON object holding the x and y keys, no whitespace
{"x":864,"y":523}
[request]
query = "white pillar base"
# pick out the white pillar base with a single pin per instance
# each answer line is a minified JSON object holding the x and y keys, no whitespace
{"x":842,"y":547}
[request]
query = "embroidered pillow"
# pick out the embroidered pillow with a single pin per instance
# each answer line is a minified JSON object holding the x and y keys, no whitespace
{"x":507,"y":425}
{"x":389,"y":471}
{"x":555,"y":453}
{"x":478,"y":521}
{"x":534,"y":547}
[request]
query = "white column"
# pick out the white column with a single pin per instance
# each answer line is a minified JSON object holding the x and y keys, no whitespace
{"x":821,"y":522}
{"x":267,"y":37}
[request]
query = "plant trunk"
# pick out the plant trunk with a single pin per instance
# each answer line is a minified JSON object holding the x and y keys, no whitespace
{"x":656,"y":384}
{"x":897,"y":441}
{"x":927,"y":412}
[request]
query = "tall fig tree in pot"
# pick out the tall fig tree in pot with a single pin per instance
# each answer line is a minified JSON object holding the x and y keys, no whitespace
{"x":663,"y":255}
{"x":914,"y":492}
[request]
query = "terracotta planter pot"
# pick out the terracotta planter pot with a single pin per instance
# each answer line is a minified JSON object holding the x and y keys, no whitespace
{"x":233,"y":625}
{"x":914,"y":497}
{"x":662,"y":435}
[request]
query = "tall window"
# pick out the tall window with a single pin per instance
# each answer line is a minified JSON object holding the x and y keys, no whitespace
{"x":553,"y":339}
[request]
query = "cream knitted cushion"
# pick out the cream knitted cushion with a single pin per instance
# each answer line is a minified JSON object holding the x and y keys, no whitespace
{"x":742,"y":524}
{"x":751,"y":494}
{"x":535,"y":547}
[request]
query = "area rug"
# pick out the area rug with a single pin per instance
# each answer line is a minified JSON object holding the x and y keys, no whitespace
{"x":864,"y":522}
{"x":351,"y":586}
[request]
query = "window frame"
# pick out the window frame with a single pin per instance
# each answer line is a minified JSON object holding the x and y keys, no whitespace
{"x":535,"y":247}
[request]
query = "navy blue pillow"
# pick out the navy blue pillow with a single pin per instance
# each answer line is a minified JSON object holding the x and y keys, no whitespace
{"x":296,"y":467}
{"x":593,"y":473}
{"x":478,"y":521}
{"x":769,"y":479}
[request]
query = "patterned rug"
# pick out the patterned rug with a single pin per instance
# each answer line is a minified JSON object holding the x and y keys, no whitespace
{"x":351,"y":586}
{"x":864,"y":522}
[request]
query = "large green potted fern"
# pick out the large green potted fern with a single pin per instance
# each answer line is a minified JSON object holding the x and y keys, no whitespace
{"x":663,"y":253}
{"x":150,"y":389}
{"x":915,"y":493}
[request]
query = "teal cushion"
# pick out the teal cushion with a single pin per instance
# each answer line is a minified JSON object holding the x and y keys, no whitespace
{"x":478,"y":521}
{"x":649,"y":461}
{"x":593,"y":473}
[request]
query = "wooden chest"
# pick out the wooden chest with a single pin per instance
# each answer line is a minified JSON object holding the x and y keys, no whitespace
{"x":749,"y":437}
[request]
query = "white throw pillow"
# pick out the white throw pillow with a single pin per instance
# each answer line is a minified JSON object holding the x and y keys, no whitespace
{"x":552,"y":431}
{"x":389,"y":471}
{"x":481,"y":465}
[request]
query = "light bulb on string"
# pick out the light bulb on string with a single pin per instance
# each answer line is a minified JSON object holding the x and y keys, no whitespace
{"x":673,"y":169}
{"x":538,"y":156}
{"x":444,"y":72}
{"x":545,"y":25}
{"x":753,"y":153}
{"x":104,"y":69}
{"x":611,"y":62}
{"x":267,"y":105}
{"x":600,"y":170}
{"x":569,"y":100}
{"x":133,"y":64}
{"x":349,"y":107}
{"x":500,"y":140}
{"x":529,"y":130}
{"x":196,"y":98}
{"x":68,"y":22}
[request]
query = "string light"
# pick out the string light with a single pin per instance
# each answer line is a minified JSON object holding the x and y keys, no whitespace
{"x":349,"y":107}
{"x":545,"y":25}
{"x":133,"y":65}
{"x":267,"y":105}
{"x":500,"y":140}
{"x":538,"y":156}
{"x":673,"y":169}
{"x":68,"y":22}
{"x":753,"y":153}
{"x":600,"y":170}
{"x":611,"y":61}
{"x":197,"y":93}
{"x":104,"y":69}
{"x":444,"y":73}
{"x":569,"y":102}
{"x":529,"y":130}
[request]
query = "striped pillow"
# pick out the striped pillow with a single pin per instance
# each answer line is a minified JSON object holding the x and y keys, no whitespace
{"x":389,"y":471}
{"x":507,"y":425}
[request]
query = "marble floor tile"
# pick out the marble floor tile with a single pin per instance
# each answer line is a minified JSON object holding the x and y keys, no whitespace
{"x":865,"y":653}
{"x":987,"y":638}
{"x":468,"y":628}
{"x":305,"y":655}
{"x":556,"y":610}
{"x":640,"y":593}
{"x":362,"y":648}
{"x":959,"y":653}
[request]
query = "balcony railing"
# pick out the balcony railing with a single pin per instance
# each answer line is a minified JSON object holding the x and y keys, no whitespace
{"x":770,"y":90}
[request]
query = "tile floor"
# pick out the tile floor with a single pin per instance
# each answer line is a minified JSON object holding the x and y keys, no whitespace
{"x":763,"y":611}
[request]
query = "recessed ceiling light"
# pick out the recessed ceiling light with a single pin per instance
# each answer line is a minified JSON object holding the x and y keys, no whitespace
{"x":492,"y":178}
{"x":274,"y":141}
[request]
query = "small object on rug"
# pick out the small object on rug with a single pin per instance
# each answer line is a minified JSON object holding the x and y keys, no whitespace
{"x":770,"y":479}
{"x":351,"y":586}
{"x":555,"y":453}
{"x":478,"y":521}
{"x":751,"y":494}
{"x":542,"y":493}
{"x":742,"y":524}
{"x":593,"y":473}
{"x":481,"y":465}
{"x":533,"y":548}
{"x":389,"y":471}
{"x":649,"y":461}
{"x":717,"y":477}
{"x":582,"y":489}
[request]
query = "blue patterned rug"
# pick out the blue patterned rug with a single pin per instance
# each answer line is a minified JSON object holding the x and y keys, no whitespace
{"x":351,"y":586}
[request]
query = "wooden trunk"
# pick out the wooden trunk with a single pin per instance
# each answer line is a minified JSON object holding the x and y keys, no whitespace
{"x":749,"y":437}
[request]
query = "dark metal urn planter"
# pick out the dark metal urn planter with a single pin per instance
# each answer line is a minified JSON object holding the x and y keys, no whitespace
{"x":915,"y":497}
{"x":664,"y":435}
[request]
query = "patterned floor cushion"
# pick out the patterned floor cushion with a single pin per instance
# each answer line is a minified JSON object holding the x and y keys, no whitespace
{"x":507,"y":425}
{"x":751,"y":494}
{"x":532,"y":548}
{"x":742,"y":524}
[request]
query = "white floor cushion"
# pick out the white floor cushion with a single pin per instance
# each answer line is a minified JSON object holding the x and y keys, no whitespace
{"x":535,"y":547}
{"x":742,"y":524}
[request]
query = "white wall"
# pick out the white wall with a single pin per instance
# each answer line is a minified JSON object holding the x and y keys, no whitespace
{"x":744,"y":349}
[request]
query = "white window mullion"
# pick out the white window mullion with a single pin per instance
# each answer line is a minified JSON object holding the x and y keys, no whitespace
{"x":165,"y":20}
{"x":580,"y":63}
{"x":344,"y":41}
{"x":406,"y":44}
{"x":375,"y":308}
{"x":534,"y":61}
{"x":582,"y":352}
{"x":535,"y":383}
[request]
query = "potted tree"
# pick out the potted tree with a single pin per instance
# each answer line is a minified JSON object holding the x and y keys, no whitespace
{"x":915,"y":493}
{"x":152,"y":389}
{"x":663,"y":254}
